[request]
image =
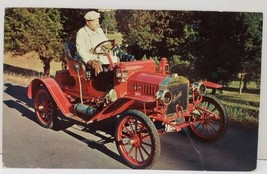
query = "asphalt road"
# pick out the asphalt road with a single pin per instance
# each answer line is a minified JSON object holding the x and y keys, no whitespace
{"x":28,"y":145}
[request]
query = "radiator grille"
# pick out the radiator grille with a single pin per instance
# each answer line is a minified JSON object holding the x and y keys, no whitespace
{"x":180,"y":97}
{"x":143,"y":88}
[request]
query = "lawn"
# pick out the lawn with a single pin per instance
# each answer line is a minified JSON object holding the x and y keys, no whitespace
{"x":242,"y":108}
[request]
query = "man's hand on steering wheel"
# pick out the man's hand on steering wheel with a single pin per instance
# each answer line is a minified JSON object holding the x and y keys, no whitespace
{"x":104,"y":47}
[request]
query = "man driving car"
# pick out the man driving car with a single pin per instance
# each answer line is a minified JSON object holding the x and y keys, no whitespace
{"x":88,"y":37}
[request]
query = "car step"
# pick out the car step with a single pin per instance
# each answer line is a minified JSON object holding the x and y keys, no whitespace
{"x":77,"y":118}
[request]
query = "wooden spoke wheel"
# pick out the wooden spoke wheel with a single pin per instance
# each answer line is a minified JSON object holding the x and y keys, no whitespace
{"x":137,"y":139}
{"x":45,"y":108}
{"x":211,"y":119}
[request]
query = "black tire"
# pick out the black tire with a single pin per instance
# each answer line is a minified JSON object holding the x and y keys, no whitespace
{"x":207,"y":127}
{"x":137,"y":140}
{"x":45,"y":108}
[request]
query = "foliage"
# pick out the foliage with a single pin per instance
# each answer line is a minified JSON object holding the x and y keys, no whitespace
{"x":226,"y":44}
{"x":213,"y":46}
{"x":181,"y":66}
{"x":241,"y":108}
{"x":218,"y":45}
{"x":252,"y":64}
{"x":33,"y":29}
{"x":108,"y":23}
{"x":73,"y":20}
{"x":155,"y":33}
{"x":242,"y":116}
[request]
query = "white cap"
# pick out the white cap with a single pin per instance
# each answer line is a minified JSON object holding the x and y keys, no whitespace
{"x":91,"y":15}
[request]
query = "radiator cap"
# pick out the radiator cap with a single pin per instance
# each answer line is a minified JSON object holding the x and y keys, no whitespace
{"x":174,"y":75}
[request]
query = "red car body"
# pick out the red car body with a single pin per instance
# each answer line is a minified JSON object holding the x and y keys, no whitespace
{"x":140,"y":93}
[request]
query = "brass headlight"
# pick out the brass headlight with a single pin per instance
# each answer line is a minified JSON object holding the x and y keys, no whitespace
{"x":198,"y":86}
{"x":165,"y":96}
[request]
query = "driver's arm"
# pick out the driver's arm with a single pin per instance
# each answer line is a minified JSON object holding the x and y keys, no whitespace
{"x":86,"y":42}
{"x":83,"y":45}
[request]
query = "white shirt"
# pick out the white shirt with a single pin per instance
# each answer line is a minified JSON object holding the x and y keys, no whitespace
{"x":86,"y":40}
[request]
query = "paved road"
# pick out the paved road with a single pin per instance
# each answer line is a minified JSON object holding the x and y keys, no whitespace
{"x":28,"y":145}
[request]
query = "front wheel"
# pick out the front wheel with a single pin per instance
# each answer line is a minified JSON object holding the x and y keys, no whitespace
{"x":137,"y":140}
{"x":211,"y":119}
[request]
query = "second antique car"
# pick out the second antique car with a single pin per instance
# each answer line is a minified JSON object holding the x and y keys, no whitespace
{"x":140,"y":94}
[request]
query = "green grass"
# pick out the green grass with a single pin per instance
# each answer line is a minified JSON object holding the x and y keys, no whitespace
{"x":242,"y":109}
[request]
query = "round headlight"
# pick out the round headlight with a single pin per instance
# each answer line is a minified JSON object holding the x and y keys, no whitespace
{"x":167,"y":98}
{"x":164,"y":96}
{"x":198,"y":86}
{"x":202,"y":89}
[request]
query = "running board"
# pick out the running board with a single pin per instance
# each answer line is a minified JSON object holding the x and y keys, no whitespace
{"x":77,"y":118}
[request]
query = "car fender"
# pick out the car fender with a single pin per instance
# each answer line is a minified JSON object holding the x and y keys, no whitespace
{"x":56,"y":92}
{"x":121,"y":105}
{"x":212,"y":85}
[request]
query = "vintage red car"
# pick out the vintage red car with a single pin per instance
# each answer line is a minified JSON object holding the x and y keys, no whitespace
{"x":140,"y":94}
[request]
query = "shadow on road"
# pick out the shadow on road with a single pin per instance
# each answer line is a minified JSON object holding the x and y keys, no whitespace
{"x":18,"y":92}
{"x":236,"y":151}
{"x":23,"y":104}
{"x":107,"y":127}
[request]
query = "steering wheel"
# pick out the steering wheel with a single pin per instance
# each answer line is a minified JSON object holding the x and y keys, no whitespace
{"x":104,"y":47}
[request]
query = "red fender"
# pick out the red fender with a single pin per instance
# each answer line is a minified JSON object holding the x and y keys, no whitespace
{"x":212,"y":85}
{"x":56,"y":92}
{"x":122,"y":104}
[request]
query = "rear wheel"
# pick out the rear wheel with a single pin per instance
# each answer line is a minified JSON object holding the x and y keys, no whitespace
{"x":137,"y":139}
{"x":45,"y":108}
{"x":211,"y":119}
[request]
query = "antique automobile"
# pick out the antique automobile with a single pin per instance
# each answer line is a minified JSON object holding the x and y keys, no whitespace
{"x":145,"y":99}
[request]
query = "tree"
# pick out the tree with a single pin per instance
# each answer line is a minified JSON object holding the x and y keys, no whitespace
{"x":217,"y":48}
{"x":156,"y":33}
{"x":228,"y":43}
{"x":34,"y":29}
{"x":108,"y":23}
{"x":72,"y":21}
{"x":252,"y":59}
{"x":212,"y":46}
